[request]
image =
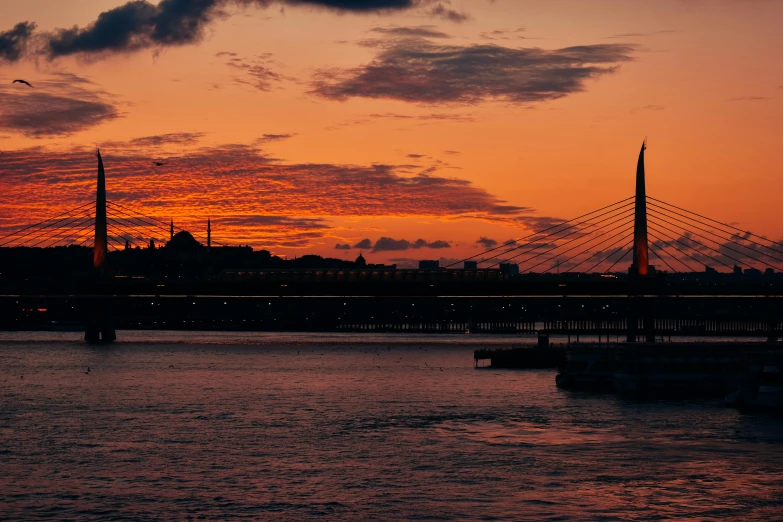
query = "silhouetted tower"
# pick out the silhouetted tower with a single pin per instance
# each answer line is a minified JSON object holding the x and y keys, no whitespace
{"x":640,"y":266}
{"x":171,"y":230}
{"x":209,"y":233}
{"x":98,"y":327}
{"x":101,"y":244}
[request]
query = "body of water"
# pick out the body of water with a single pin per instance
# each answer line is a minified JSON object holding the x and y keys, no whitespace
{"x":187,"y":425}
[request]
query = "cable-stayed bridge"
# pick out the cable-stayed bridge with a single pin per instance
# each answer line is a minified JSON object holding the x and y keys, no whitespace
{"x":677,"y":259}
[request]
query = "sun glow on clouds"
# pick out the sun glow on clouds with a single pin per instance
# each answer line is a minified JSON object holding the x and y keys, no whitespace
{"x":251,"y":198}
{"x":303,"y":124}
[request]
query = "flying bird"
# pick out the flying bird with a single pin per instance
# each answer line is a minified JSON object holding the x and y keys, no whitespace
{"x":158,"y":163}
{"x":22,"y":81}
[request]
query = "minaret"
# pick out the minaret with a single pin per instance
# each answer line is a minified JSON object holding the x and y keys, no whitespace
{"x":209,"y":233}
{"x":101,"y":240}
{"x":171,"y":230}
{"x":640,"y":265}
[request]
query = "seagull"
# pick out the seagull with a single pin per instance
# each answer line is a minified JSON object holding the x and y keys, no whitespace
{"x":22,"y":81}
{"x":158,"y":163}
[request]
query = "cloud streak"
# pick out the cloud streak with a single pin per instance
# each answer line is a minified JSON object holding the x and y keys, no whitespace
{"x":255,"y":199}
{"x":417,"y":70}
{"x":62,"y":105}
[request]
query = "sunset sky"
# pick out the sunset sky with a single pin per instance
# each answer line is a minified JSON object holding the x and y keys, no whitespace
{"x":301,"y":125}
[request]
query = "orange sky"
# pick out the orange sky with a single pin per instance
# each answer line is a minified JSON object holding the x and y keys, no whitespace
{"x":297,"y":128}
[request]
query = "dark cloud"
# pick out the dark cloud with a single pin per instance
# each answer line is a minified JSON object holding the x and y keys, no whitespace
{"x":749,"y":98}
{"x":486,"y":242}
{"x":503,"y":34}
{"x":439,"y":244}
{"x":60,"y":105}
{"x":364,"y":244}
{"x":175,"y":138}
{"x":135,"y":25}
{"x":269,"y":138}
{"x":450,"y":15}
{"x":424,"y":117}
{"x":539,"y":223}
{"x":139,"y":24}
{"x":355,"y":6}
{"x":637,"y":35}
{"x":257,"y":72}
{"x":386,"y":244}
{"x":340,"y":246}
{"x":417,"y":70}
{"x":649,"y":108}
{"x":14,"y":42}
{"x":425,"y":31}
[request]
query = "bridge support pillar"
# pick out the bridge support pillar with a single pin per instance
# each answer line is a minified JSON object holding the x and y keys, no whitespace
{"x":99,"y":328}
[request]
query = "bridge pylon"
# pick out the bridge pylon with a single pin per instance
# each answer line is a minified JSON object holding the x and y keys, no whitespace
{"x":640,"y":268}
{"x":99,"y":328}
{"x":641,"y":263}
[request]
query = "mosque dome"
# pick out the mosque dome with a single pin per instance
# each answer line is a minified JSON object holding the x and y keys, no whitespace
{"x":183,"y":242}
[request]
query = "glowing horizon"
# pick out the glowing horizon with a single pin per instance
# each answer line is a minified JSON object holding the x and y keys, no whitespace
{"x":301,"y":128}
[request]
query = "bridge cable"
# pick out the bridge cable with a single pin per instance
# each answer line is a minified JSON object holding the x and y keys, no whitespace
{"x":45,"y":221}
{"x":153,"y":233}
{"x":683,"y":263}
{"x":622,"y":217}
{"x":662,"y":259}
{"x":132,"y":230}
{"x":37,"y":232}
{"x":88,"y":224}
{"x":613,"y":245}
{"x":698,"y":261}
{"x":164,"y":224}
{"x":729,"y":239}
{"x":621,"y":258}
{"x":121,"y":235}
{"x":658,"y":217}
{"x":588,"y":241}
{"x":48,"y":229}
{"x":691,"y":247}
{"x":598,"y":252}
{"x":722,"y":224}
{"x":553,"y":235}
{"x":130,"y":218}
{"x":537,"y":233}
{"x":606,"y":259}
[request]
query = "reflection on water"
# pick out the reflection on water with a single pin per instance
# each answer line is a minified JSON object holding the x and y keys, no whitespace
{"x":289,"y":427}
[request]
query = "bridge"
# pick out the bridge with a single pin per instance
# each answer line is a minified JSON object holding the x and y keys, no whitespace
{"x":711,"y":278}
